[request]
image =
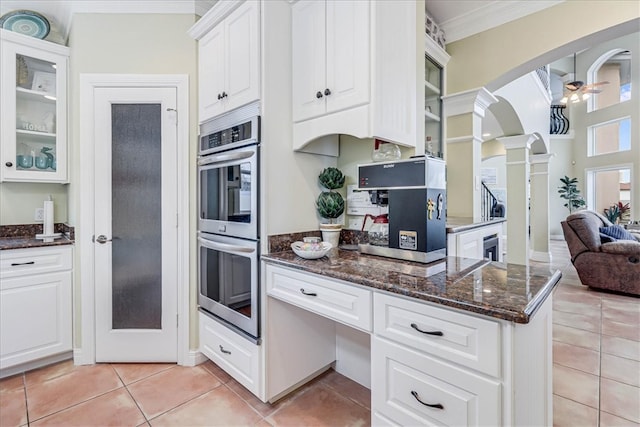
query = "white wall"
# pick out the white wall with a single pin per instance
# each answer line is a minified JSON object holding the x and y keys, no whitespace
{"x":561,"y":164}
{"x":18,"y":202}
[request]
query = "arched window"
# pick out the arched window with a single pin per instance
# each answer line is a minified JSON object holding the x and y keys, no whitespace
{"x":613,"y":67}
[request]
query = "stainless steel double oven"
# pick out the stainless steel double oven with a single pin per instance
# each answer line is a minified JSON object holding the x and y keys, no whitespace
{"x":228,"y":210}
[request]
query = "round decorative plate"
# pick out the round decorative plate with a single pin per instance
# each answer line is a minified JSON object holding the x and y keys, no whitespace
{"x":26,"y":22}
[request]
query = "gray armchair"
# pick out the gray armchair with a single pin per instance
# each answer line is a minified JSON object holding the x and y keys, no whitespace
{"x":613,"y":266}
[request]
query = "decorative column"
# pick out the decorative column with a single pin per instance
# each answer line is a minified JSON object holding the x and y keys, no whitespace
{"x":464,"y":112}
{"x":539,"y":207}
{"x":517,"y":197}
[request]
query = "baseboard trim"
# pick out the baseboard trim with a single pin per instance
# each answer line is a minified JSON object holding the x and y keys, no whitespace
{"x":28,"y":366}
{"x":540,"y":256}
{"x":557,"y":237}
{"x":194,"y":358}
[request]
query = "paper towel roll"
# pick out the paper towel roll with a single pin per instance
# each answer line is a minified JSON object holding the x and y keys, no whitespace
{"x":47,"y":229}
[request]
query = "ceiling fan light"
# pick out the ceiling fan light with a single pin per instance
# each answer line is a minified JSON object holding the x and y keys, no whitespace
{"x":585,"y":96}
{"x":564,"y":99}
{"x":574,"y":97}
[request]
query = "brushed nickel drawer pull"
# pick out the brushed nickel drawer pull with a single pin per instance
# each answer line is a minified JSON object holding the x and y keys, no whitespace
{"x":438,"y":333}
{"x":224,"y":351}
{"x":15,"y":264}
{"x":311,"y":294}
{"x":435,"y":405}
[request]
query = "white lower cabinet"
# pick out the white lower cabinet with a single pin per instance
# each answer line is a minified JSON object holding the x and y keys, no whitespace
{"x":239,"y":357}
{"x":35,"y":304}
{"x":412,"y":388}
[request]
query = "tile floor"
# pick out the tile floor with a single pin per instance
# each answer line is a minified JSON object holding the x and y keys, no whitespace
{"x":596,"y":345}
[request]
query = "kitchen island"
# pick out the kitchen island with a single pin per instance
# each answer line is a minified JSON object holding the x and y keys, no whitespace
{"x":455,"y":342}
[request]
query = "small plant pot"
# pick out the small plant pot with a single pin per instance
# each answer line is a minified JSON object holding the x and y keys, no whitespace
{"x":331,"y":233}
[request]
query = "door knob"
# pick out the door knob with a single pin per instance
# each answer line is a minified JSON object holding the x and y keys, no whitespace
{"x":8,"y":164}
{"x":318,"y":94}
{"x":102,"y":239}
{"x":327,"y":92}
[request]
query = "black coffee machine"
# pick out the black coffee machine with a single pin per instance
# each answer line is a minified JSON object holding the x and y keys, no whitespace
{"x":415,"y":190}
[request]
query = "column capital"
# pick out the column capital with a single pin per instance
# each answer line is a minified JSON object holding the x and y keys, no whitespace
{"x":540,"y":158}
{"x":517,"y":141}
{"x":470,"y":101}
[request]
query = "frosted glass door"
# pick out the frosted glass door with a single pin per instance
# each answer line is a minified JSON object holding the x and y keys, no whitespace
{"x":135,"y":225}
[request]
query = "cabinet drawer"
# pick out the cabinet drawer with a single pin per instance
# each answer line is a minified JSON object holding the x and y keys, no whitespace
{"x":338,"y":301}
{"x":239,"y":357}
{"x":404,"y":382}
{"x":467,"y":340}
{"x":19,"y":262}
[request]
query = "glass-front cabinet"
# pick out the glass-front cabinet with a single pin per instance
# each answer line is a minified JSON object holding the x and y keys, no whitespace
{"x":433,"y":108}
{"x":33,"y":119}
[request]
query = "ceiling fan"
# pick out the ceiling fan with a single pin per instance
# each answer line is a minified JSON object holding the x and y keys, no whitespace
{"x":577,"y":91}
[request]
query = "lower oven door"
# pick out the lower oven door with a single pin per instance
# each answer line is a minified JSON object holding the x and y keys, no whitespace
{"x":228,"y":278}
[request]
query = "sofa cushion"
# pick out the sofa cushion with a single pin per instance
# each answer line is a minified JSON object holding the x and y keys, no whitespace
{"x":606,"y":239}
{"x":622,"y":247}
{"x":617,"y":232}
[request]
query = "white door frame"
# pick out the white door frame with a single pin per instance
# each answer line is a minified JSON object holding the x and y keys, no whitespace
{"x":85,"y":354}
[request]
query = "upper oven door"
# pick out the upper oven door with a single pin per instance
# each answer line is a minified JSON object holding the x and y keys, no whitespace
{"x":228,"y":189}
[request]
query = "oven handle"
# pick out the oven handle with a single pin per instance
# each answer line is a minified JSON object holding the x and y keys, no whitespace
{"x":225,"y":247}
{"x":225,"y":157}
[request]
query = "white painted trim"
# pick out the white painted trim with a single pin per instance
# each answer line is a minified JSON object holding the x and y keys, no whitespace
{"x":545,"y":173}
{"x":517,"y":141}
{"x":470,"y":101}
{"x":464,"y":138}
{"x":491,"y":15}
{"x":434,"y":50}
{"x":541,"y":158}
{"x":133,"y":6}
{"x":557,"y":237}
{"x":569,"y":135}
{"x":85,"y":354}
{"x":521,"y":162}
{"x":540,"y":256}
{"x":194,"y":358}
{"x":538,"y":83}
{"x":213,"y":17}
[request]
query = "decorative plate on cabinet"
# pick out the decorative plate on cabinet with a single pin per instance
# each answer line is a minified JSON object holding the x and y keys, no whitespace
{"x":26,"y":22}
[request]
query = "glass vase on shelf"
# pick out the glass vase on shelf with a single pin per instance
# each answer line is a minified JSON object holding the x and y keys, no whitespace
{"x":385,"y":151}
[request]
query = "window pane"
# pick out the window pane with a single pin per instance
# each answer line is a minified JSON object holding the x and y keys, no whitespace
{"x":612,"y":188}
{"x":610,"y":137}
{"x":616,"y":71}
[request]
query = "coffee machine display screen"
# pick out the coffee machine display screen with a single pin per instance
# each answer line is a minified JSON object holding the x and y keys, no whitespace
{"x":408,"y":240}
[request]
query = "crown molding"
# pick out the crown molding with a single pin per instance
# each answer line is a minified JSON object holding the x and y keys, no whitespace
{"x":132,"y":6}
{"x":217,"y":13}
{"x":490,"y":16}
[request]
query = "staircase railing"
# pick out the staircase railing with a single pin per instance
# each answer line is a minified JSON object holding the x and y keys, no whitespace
{"x":491,"y":207}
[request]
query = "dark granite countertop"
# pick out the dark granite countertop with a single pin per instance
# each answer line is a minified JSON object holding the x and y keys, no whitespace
{"x":504,"y":291}
{"x":21,"y":236}
{"x":460,"y":224}
{"x":22,"y":242}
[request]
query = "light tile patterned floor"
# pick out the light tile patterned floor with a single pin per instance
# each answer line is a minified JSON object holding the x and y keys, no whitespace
{"x":596,"y":345}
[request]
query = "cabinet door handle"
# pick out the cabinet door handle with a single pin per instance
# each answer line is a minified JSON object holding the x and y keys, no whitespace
{"x":224,"y":351}
{"x":224,"y":94}
{"x":9,"y":164}
{"x":318,"y":94}
{"x":434,"y":405}
{"x":311,"y":294}
{"x":437,"y":333}
{"x":14,"y":264}
{"x":219,"y":97}
{"x":327,"y":92}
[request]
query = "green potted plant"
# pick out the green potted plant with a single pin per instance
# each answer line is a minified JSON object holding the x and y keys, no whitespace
{"x":330,"y":204}
{"x":569,"y":191}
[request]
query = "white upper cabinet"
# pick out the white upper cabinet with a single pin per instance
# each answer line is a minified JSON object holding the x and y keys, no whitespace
{"x":355,"y":70}
{"x":330,"y":57}
{"x":229,"y":57}
{"x":33,"y":118}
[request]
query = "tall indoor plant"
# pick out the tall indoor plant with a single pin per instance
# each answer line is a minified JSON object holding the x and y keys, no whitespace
{"x":330,"y":204}
{"x":569,"y":191}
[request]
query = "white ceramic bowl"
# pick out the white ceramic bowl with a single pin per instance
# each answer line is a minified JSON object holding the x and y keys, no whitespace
{"x":311,"y":250}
